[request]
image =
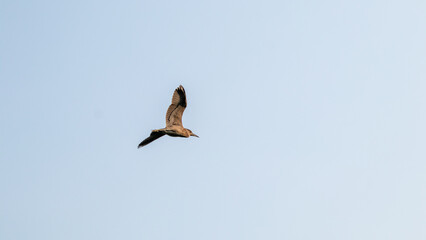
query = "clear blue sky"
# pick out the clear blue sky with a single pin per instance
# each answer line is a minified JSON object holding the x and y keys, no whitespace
{"x":311,"y":117}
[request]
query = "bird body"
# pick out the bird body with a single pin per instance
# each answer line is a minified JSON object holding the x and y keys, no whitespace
{"x":174,"y":127}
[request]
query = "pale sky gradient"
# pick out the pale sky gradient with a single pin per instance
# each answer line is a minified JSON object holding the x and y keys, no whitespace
{"x":311,"y":117}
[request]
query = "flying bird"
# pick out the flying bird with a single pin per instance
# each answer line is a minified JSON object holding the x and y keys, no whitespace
{"x":174,"y":127}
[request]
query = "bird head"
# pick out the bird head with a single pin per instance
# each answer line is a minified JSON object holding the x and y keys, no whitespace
{"x":192,"y":134}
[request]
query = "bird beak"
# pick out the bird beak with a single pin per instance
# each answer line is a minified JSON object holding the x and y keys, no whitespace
{"x":192,"y":134}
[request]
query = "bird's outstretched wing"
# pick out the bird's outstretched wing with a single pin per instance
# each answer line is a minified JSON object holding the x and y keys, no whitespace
{"x":152,"y":137}
{"x":175,"y":110}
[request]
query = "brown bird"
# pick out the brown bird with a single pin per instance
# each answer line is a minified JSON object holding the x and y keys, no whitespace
{"x":174,"y":127}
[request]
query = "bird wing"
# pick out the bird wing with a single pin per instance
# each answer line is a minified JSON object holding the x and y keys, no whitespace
{"x":175,"y":110}
{"x":152,"y":137}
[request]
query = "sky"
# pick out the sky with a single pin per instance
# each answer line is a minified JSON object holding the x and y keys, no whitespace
{"x":311,"y":117}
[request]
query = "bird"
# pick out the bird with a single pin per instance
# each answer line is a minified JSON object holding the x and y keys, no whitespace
{"x":174,"y":127}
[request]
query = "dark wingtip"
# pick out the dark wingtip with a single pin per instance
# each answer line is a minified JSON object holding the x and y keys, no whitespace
{"x":141,"y":144}
{"x":181,"y":91}
{"x":180,"y":88}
